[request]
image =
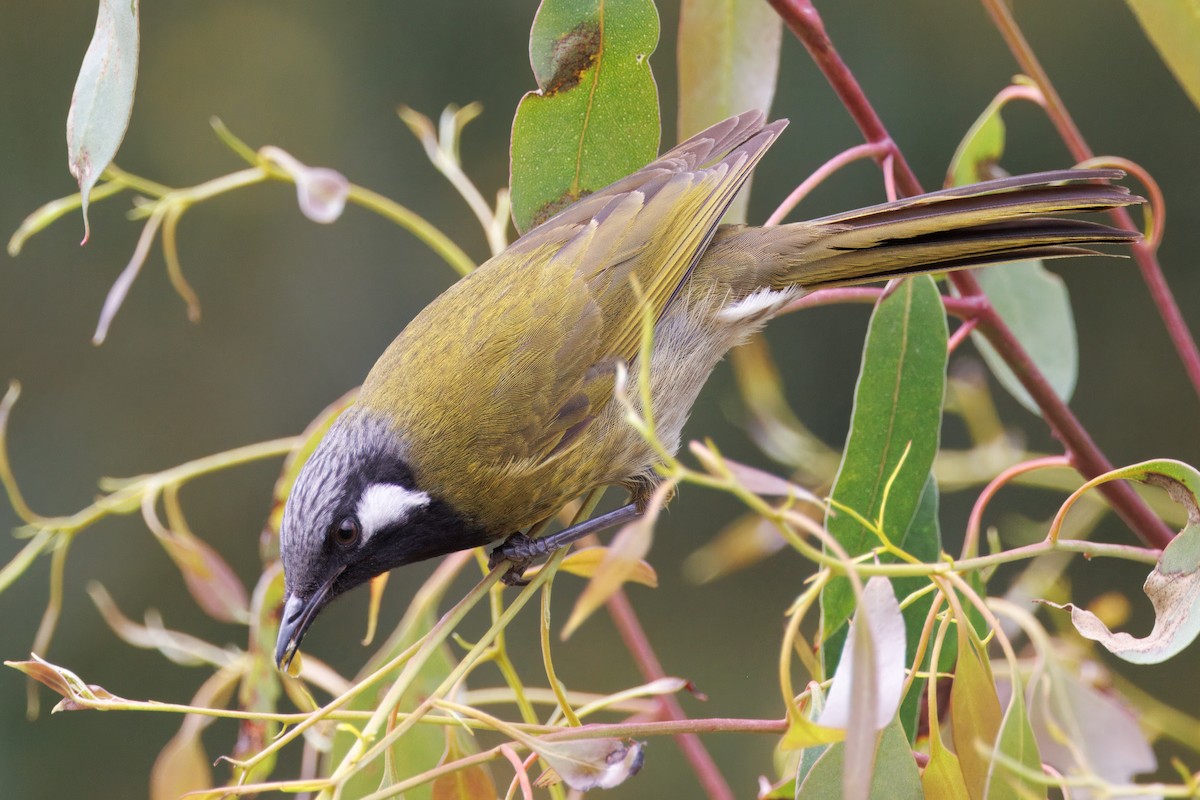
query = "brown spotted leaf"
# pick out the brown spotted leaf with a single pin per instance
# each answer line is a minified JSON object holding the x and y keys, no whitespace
{"x":594,"y":117}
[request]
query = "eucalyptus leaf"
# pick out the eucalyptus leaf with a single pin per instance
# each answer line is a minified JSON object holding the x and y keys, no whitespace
{"x":894,"y":775}
{"x":594,"y":117}
{"x":1174,"y":28}
{"x":894,"y":433}
{"x":728,"y":58}
{"x":103,"y":99}
{"x":1173,"y":587}
{"x":1016,"y":744}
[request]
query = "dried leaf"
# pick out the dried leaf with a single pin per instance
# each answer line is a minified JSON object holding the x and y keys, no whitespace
{"x":586,"y":562}
{"x":592,"y":763}
{"x":76,"y":694}
{"x":209,"y":578}
{"x":620,"y":562}
{"x":103,"y":99}
{"x":1174,"y":585}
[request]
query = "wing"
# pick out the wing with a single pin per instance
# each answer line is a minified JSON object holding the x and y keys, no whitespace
{"x":513,"y":363}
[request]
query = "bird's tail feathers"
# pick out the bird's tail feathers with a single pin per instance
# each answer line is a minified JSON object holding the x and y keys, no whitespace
{"x":969,"y":226}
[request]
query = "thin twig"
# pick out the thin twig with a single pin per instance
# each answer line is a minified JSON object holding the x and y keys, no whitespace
{"x":638,"y":644}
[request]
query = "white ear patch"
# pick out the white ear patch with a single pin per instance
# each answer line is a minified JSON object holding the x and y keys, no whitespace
{"x":386,"y":504}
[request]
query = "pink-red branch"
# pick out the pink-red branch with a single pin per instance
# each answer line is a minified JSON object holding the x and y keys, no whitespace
{"x":805,"y":22}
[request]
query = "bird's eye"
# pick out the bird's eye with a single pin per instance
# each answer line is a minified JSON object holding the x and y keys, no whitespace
{"x":346,"y":532}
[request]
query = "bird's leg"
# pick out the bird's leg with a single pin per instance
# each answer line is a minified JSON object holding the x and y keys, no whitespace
{"x":521,"y":551}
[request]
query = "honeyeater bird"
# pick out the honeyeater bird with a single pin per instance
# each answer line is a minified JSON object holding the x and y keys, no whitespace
{"x":494,"y":407}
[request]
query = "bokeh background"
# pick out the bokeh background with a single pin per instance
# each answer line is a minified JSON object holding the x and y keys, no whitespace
{"x":295,"y":313}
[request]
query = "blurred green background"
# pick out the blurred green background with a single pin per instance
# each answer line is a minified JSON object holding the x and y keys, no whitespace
{"x":295,"y":313}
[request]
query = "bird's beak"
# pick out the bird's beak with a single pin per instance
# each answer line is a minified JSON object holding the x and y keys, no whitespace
{"x":298,"y":614}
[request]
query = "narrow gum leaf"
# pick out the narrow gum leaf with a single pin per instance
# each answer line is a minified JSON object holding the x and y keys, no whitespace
{"x":871,"y":671}
{"x":744,"y":542}
{"x":1174,"y":28}
{"x":1173,"y":587}
{"x":942,"y":778}
{"x":1016,"y":744}
{"x":897,"y":408}
{"x":594,"y":117}
{"x":1085,"y":731}
{"x":868,"y":682}
{"x":974,"y":713}
{"x":734,"y":70}
{"x":103,"y":99}
{"x":894,"y":775}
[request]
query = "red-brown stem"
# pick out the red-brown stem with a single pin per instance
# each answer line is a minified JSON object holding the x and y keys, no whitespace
{"x":804,"y":21}
{"x":638,"y":644}
{"x":1143,"y":253}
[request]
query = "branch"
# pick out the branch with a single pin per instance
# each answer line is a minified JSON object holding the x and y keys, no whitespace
{"x":1143,"y":252}
{"x":804,"y":21}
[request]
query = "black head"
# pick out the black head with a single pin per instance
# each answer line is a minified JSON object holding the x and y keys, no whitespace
{"x":355,"y":512}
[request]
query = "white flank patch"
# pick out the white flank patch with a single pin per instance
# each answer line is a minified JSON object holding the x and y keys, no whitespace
{"x":386,"y":504}
{"x":761,"y":304}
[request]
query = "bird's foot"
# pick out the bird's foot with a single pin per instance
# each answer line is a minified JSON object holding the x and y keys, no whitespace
{"x":520,"y":551}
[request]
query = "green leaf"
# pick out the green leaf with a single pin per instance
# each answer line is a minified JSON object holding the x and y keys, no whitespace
{"x":728,"y":62}
{"x":897,"y":408}
{"x":974,"y":713}
{"x":942,"y":778}
{"x":103,"y":98}
{"x":978,"y":154}
{"x":1174,"y":28}
{"x":923,"y":539}
{"x":1031,"y":300}
{"x":1034,"y":303}
{"x":1174,"y":585}
{"x":1016,"y":744}
{"x":895,"y":775}
{"x":594,"y":118}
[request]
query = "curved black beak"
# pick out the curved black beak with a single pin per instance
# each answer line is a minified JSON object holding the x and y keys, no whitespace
{"x":298,"y":614}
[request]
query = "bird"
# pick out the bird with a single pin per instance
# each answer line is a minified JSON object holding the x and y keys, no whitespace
{"x":494,"y":406}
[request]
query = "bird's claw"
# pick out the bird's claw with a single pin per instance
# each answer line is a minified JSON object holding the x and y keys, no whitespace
{"x":520,"y":551}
